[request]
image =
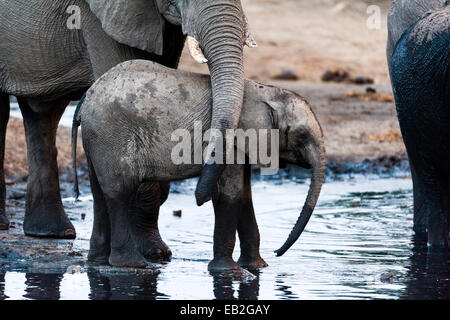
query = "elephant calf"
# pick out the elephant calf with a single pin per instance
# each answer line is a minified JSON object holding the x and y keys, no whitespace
{"x":127,"y":119}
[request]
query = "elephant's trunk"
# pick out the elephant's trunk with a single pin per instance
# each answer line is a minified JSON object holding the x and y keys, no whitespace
{"x":318,"y":164}
{"x":221,"y":36}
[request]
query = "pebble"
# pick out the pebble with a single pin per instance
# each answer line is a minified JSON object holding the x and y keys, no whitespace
{"x":287,"y":74}
{"x":177,"y":213}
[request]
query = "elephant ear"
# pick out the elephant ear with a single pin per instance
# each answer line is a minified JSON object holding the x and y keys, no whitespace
{"x":136,"y":23}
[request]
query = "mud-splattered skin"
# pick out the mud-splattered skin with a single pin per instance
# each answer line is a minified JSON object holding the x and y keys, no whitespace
{"x":52,"y":51}
{"x":127,"y":120}
{"x":420,"y":74}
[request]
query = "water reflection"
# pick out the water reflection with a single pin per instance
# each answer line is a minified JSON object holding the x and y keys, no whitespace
{"x":123,"y":286}
{"x":427,"y":277}
{"x":224,"y":289}
{"x":2,"y":286}
{"x":429,"y":273}
{"x":43,"y":286}
{"x":360,"y":231}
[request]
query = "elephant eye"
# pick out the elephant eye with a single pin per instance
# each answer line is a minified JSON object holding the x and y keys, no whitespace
{"x":286,"y":134}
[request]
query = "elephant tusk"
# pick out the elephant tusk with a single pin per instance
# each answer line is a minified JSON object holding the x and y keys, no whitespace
{"x":195,"y":50}
{"x":250,"y":41}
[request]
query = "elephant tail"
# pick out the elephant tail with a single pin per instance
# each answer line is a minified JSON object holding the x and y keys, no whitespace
{"x":75,"y":124}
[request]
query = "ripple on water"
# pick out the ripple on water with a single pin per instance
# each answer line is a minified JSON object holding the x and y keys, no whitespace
{"x":361,"y":230}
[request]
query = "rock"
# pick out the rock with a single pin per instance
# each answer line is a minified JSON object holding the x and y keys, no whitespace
{"x":387,"y":277}
{"x":177,"y":213}
{"x":371,"y":90}
{"x":335,"y":76}
{"x":83,"y":216}
{"x":362,"y":80}
{"x":287,"y":74}
{"x":75,"y":254}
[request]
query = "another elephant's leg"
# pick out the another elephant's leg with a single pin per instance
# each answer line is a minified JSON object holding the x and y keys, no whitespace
{"x":431,"y":203}
{"x":44,"y":216}
{"x":438,"y":214}
{"x":248,"y":229}
{"x":124,"y":249}
{"x":144,"y":213}
{"x":4,"y":117}
{"x":227,"y":201}
{"x":100,"y":244}
{"x":420,"y":218}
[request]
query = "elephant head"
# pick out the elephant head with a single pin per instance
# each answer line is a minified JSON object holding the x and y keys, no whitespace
{"x":301,"y":139}
{"x":216,"y":32}
{"x":302,"y":143}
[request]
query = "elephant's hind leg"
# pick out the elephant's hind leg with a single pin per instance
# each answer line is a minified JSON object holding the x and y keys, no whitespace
{"x":144,"y":212}
{"x":44,"y":215}
{"x":248,"y":229}
{"x":4,"y":117}
{"x":99,"y":249}
{"x":124,"y":249}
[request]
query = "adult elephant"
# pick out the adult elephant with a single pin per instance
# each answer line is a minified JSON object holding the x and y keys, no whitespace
{"x":52,"y":51}
{"x":419,"y":61}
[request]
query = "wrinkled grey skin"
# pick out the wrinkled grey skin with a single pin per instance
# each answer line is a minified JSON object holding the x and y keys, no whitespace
{"x":419,"y":62}
{"x":127,"y":120}
{"x":46,"y":64}
{"x":403,"y":14}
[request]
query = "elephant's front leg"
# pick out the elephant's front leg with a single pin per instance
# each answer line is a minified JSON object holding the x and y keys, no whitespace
{"x":228,"y":204}
{"x":4,"y":117}
{"x":44,"y":216}
{"x":248,"y":229}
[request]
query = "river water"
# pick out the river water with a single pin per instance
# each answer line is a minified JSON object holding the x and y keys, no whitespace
{"x":359,"y":244}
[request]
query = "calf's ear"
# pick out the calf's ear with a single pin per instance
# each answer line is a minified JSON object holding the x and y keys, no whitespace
{"x":136,"y":23}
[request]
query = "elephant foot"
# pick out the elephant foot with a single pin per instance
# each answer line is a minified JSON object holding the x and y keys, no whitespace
{"x":252,"y":263}
{"x":98,"y":257}
{"x":154,"y":249}
{"x":4,"y":222}
{"x":127,"y":256}
{"x":223,"y":264}
{"x":48,"y":224}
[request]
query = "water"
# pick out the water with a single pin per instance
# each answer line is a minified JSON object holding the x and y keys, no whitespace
{"x":358,"y":245}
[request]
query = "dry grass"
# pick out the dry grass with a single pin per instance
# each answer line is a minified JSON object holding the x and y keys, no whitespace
{"x":388,"y":136}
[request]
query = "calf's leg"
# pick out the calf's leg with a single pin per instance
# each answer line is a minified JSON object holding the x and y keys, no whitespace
{"x":100,"y":243}
{"x":248,"y":228}
{"x":144,"y":213}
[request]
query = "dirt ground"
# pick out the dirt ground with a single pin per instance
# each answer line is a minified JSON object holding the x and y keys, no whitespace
{"x":304,"y":38}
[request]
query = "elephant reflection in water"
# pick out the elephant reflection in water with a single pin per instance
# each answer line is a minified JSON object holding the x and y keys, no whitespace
{"x":41,"y":286}
{"x":123,"y":286}
{"x":223,"y":287}
{"x":2,"y":286}
{"x":144,"y":287}
{"x":429,"y":273}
